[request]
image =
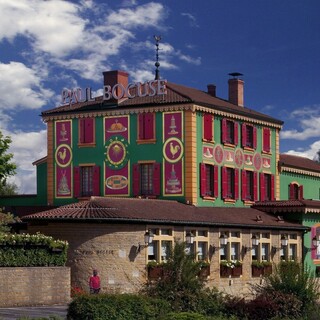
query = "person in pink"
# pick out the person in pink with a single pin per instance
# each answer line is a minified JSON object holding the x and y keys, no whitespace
{"x":94,"y":283}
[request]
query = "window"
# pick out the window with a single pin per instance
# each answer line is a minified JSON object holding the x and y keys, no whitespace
{"x":200,"y":244}
{"x":290,"y":251}
{"x":161,"y":245}
{"x":295,"y":191}
{"x":249,"y":185}
{"x":146,"y":126}
{"x":261,"y":252}
{"x":86,"y":181}
{"x":249,"y":136}
{"x":229,"y":132}
{"x":266,"y":141}
{"x":86,"y":131}
{"x":231,"y":250}
{"x":266,"y":187}
{"x":146,"y":179}
{"x":230,"y":183}
{"x":209,"y":180}
{"x":208,"y":127}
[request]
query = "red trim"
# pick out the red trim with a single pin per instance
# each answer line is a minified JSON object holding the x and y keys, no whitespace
{"x":313,"y":249}
{"x":224,"y":130}
{"x":262,"y":193}
{"x":254,"y":138}
{"x":203,"y":179}
{"x":255,"y":186}
{"x":224,"y":182}
{"x":291,"y":191}
{"x":236,"y":184}
{"x":266,"y":139}
{"x":156,"y":179}
{"x":76,"y":182}
{"x":272,"y":188}
{"x":136,"y":179}
{"x":244,"y":185}
{"x":236,"y":133}
{"x":301,"y":192}
{"x":215,"y":181}
{"x":244,"y":135}
{"x":207,"y":127}
{"x":96,"y":181}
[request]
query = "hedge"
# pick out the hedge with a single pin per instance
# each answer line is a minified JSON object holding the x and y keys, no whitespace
{"x":117,"y":307}
{"x":25,"y":250}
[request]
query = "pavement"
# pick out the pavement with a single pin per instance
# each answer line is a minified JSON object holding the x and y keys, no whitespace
{"x":33,"y":312}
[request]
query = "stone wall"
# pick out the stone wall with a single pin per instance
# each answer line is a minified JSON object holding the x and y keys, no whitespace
{"x":113,"y":249}
{"x":34,"y":286}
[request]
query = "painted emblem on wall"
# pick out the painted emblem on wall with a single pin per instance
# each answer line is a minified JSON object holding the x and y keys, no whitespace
{"x":266,"y":163}
{"x":257,"y":161}
{"x":117,"y":163}
{"x":207,"y":152}
{"x":239,"y":158}
{"x":116,"y":152}
{"x":63,"y":159}
{"x":63,"y":155}
{"x":173,"y":151}
{"x":218,"y":154}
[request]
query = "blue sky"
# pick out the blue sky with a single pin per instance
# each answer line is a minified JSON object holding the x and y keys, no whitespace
{"x":46,"y":46}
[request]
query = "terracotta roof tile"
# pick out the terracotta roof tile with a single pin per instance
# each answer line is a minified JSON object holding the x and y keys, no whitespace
{"x":305,"y":205}
{"x":160,"y":211}
{"x":299,"y":162}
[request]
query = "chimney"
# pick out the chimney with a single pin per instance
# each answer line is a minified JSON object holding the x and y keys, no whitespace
{"x":116,"y":82}
{"x":211,"y":90}
{"x":236,"y":89}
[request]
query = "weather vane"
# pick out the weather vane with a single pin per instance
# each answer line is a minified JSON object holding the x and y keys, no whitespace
{"x":157,"y":64}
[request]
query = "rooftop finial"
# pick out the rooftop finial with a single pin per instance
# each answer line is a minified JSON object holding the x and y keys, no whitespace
{"x":157,"y":64}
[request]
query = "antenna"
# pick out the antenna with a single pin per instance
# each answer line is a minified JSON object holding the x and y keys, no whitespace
{"x":157,"y":64}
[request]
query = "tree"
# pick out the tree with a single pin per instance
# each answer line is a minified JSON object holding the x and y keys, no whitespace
{"x":8,"y":189}
{"x":5,"y":220}
{"x":180,"y":284}
{"x":7,"y":168}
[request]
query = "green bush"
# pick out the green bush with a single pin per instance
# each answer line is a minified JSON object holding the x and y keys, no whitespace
{"x":184,"y":316}
{"x":117,"y":307}
{"x":24,"y":250}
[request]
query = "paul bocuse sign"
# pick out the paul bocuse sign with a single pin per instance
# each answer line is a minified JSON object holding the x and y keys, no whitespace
{"x":118,"y":91}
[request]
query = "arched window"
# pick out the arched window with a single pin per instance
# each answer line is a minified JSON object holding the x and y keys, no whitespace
{"x":295,"y":191}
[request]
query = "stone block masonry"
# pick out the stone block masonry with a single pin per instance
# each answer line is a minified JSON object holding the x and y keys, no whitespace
{"x":34,"y":286}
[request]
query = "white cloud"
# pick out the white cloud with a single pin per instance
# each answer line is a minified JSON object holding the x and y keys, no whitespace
{"x":21,"y":87}
{"x":310,"y":152}
{"x":52,"y":26}
{"x":192,"y":19}
{"x":309,"y":122}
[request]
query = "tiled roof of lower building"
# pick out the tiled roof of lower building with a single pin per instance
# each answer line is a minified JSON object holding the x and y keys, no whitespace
{"x":304,"y":206}
{"x":135,"y":210}
{"x":288,"y":160}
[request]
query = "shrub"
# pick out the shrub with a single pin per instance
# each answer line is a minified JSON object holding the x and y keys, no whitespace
{"x":116,"y":307}
{"x":25,"y":250}
{"x":184,"y":316}
{"x":180,"y":284}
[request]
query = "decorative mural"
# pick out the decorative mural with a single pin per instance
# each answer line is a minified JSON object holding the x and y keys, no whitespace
{"x":173,"y":152}
{"x":117,"y":166}
{"x":237,"y":157}
{"x":63,"y":159}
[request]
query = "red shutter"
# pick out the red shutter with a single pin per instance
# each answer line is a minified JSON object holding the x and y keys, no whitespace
{"x":255,"y":186}
{"x":224,"y":182}
{"x":140,"y":126}
{"x":301,"y":192}
{"x":291,"y":191}
{"x":266,"y":139}
{"x":136,"y":179}
{"x":156,"y":179}
{"x":272,"y":188}
{"x":244,"y":135}
{"x":203,"y":179}
{"x":224,"y":130}
{"x":216,"y":181}
{"x":76,"y":182}
{"x":244,"y":185}
{"x":254,"y":138}
{"x":96,"y":181}
{"x":313,"y":249}
{"x":149,"y":125}
{"x":81,"y":131}
{"x":236,"y":133}
{"x":207,"y":127}
{"x":236,"y":184}
{"x":262,"y":193}
{"x":89,"y":130}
